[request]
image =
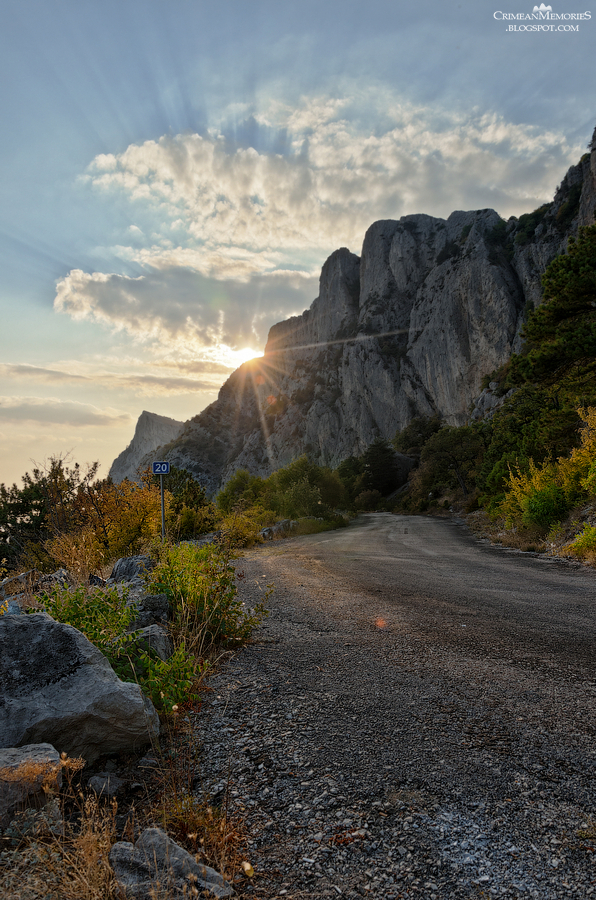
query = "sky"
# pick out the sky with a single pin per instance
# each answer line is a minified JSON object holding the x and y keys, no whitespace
{"x":174,"y":173}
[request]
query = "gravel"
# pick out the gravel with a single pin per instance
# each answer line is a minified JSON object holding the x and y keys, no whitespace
{"x":372,"y":758}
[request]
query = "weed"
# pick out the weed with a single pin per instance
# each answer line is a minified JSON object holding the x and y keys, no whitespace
{"x":102,"y":614}
{"x":584,"y":544}
{"x":201,"y":586}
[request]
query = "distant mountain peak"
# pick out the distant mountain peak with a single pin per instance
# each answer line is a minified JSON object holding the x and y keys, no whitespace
{"x":152,"y":431}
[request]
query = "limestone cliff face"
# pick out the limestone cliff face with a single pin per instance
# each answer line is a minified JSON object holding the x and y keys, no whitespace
{"x":408,"y":328}
{"x":152,"y":431}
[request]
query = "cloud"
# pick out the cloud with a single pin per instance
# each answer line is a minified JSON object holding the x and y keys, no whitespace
{"x":44,"y":411}
{"x":180,"y":305}
{"x":147,"y":384}
{"x":235,"y":223}
{"x":38,"y":373}
{"x":343,"y":163}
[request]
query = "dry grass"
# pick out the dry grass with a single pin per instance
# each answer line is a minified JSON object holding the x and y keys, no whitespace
{"x":51,"y":854}
{"x":206,"y":829}
{"x":46,"y":858}
{"x":529,"y":540}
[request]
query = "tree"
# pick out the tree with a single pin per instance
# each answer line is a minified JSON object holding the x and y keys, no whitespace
{"x":380,"y":468}
{"x":414,"y":436}
{"x":454,"y":452}
{"x":561,"y":333}
{"x":42,"y":507}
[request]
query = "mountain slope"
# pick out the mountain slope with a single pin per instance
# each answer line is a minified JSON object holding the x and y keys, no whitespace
{"x":408,"y":328}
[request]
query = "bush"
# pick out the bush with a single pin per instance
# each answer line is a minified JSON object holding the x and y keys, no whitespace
{"x":584,"y":544}
{"x":100,"y":613}
{"x":545,"y":506}
{"x":201,"y":586}
{"x":242,"y":527}
{"x":316,"y":526}
{"x":367,"y":501}
{"x":104,"y":617}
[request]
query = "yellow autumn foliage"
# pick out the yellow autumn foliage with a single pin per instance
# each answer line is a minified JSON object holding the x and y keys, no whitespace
{"x":543,"y":494}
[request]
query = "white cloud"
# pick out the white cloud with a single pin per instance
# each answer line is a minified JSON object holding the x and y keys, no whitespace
{"x":53,"y":411}
{"x":179,"y":305}
{"x":238,"y":234}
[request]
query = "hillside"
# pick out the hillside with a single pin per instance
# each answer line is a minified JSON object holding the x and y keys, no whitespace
{"x":408,"y":328}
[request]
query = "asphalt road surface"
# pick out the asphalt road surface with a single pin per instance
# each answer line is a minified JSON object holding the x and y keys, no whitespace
{"x":445,"y":687}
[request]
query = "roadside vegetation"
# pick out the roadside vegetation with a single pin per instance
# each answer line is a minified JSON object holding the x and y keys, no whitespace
{"x":527,"y":476}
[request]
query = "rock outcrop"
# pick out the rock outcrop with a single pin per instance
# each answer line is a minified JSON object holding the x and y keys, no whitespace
{"x":151,"y":433}
{"x":409,"y":328}
{"x":58,"y":688}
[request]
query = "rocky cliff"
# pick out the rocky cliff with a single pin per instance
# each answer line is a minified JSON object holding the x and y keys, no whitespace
{"x":410,"y":327}
{"x":152,"y":431}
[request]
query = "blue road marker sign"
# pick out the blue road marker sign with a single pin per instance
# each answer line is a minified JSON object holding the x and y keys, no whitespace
{"x":161,"y":468}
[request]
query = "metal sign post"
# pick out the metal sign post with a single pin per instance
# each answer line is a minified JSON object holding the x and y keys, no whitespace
{"x":161,"y":469}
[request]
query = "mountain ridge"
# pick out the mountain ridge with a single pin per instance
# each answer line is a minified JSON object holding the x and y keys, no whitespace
{"x":410,"y":327}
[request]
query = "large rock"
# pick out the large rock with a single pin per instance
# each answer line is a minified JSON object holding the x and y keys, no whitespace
{"x":131,"y":568}
{"x":409,"y":328}
{"x":29,"y":776}
{"x":57,"y":687}
{"x":157,"y":863}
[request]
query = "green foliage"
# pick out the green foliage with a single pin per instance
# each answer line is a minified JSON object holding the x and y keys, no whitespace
{"x":561,"y":333}
{"x":350,"y":472}
{"x":171,"y":681}
{"x":104,"y":617}
{"x":465,"y":232}
{"x":568,"y":210}
{"x":32,"y":513}
{"x":242,"y":486}
{"x":585,"y":542}
{"x":241,"y":527}
{"x":201,"y":586}
{"x":544,"y":507}
{"x":300,"y":499}
{"x":528,"y":224}
{"x":316,"y":526}
{"x":190,"y":513}
{"x":534,"y":423}
{"x":414,"y":436}
{"x":368,"y":501}
{"x":453,"y":453}
{"x":101,"y":614}
{"x":380,"y":468}
{"x":302,"y":488}
{"x":542,"y":495}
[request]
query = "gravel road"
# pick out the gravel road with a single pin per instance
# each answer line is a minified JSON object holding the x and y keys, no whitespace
{"x":415,"y":718}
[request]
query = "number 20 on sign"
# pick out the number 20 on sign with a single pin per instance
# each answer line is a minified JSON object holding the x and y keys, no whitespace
{"x":161,"y":468}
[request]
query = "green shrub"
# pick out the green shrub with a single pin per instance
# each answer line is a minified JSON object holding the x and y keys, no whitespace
{"x":172,"y":681}
{"x":545,"y":506}
{"x":200,"y":583}
{"x":585,"y":542}
{"x":103,"y":617}
{"x":242,"y":527}
{"x":528,"y":223}
{"x":316,"y":526}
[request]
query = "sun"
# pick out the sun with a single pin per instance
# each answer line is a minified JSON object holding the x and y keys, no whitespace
{"x":246,"y":354}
